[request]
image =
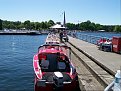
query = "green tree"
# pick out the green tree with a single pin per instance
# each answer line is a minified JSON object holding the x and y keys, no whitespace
{"x":87,"y":23}
{"x":92,"y":26}
{"x":11,"y":26}
{"x":98,"y":27}
{"x":5,"y":24}
{"x":32,"y":25}
{"x":108,"y":28}
{"x":117,"y":28}
{"x":82,"y":26}
{"x":44,"y":25}
{"x":50,"y":23}
{"x":71,"y":26}
{"x":21,"y":26}
{"x":27,"y":24}
{"x":17,"y":24}
{"x":37,"y":26}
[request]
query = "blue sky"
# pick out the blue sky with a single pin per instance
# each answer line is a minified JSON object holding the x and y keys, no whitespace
{"x":99,"y":11}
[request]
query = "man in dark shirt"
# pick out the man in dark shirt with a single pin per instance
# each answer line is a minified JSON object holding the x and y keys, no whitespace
{"x":61,"y":36}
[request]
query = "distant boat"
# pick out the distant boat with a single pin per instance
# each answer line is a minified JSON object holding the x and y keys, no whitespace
{"x":34,"y":32}
{"x":101,"y":30}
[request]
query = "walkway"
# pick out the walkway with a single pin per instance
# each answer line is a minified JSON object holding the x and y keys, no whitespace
{"x":109,"y":59}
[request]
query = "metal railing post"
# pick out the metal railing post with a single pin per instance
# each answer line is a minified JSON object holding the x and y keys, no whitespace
{"x":109,"y":87}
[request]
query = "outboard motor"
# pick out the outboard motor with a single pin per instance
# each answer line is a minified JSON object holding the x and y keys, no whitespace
{"x":58,"y":80}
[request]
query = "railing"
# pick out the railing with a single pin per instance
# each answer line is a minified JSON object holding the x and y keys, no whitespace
{"x":88,"y":38}
{"x":109,"y":87}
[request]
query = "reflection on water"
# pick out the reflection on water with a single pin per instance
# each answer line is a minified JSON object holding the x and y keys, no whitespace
{"x":13,"y":44}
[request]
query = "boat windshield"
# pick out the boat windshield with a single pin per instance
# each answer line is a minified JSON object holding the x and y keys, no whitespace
{"x":54,"y":62}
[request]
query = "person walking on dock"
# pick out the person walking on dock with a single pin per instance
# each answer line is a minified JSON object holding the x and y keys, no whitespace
{"x":61,"y":36}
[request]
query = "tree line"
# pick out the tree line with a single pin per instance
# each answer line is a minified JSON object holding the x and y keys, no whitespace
{"x":28,"y":25}
{"x":84,"y":26}
{"x":91,"y":26}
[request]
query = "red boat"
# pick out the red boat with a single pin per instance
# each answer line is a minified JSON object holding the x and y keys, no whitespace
{"x":54,"y":70}
{"x":52,"y":39}
{"x":101,"y":41}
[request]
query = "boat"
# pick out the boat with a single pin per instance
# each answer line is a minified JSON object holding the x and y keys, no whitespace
{"x":105,"y":44}
{"x":53,"y":69}
{"x":33,"y":32}
{"x":52,"y":39}
{"x":101,"y":41}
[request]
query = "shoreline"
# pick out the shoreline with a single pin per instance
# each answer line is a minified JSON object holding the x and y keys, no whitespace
{"x":23,"y":33}
{"x":19,"y":34}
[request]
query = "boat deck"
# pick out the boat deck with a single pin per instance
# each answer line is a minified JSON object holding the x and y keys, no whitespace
{"x":52,"y":38}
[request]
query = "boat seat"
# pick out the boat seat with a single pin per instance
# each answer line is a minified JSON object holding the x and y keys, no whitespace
{"x":61,"y":65}
{"x":44,"y":64}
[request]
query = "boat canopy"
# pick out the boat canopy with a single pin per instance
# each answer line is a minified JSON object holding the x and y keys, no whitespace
{"x":57,"y":26}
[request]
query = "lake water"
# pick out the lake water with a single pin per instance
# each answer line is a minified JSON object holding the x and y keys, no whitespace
{"x":92,"y":37}
{"x":102,"y":34}
{"x":16,"y":58}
